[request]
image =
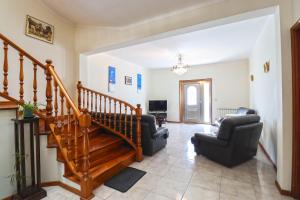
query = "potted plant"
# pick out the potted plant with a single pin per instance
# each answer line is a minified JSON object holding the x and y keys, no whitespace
{"x":17,"y":177}
{"x":28,"y":109}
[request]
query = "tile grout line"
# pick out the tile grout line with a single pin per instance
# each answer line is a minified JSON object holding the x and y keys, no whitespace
{"x":187,"y":185}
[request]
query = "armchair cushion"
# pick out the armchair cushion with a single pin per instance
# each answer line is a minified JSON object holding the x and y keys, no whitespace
{"x":228,"y":124}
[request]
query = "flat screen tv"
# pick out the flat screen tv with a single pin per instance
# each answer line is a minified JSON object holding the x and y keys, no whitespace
{"x":158,"y":105}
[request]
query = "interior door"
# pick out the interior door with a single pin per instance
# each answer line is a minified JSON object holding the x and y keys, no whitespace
{"x":295,"y":34}
{"x":193,"y":103}
{"x":196,"y":101}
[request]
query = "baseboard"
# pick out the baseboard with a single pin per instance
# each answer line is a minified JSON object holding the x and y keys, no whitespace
{"x":267,"y":155}
{"x":177,"y":122}
{"x":61,"y":184}
{"x":53,"y":183}
{"x":8,"y":198}
{"x":282,"y":192}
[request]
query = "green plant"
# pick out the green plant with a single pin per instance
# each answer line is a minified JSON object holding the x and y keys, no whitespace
{"x":29,"y":106}
{"x":17,"y":176}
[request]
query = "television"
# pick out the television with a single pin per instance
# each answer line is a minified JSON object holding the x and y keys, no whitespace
{"x":157,"y":105}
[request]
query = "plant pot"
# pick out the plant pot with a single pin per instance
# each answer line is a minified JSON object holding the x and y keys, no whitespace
{"x":28,"y":113}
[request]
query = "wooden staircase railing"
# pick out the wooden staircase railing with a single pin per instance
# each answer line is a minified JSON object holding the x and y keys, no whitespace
{"x":67,"y":127}
{"x":115,"y":115}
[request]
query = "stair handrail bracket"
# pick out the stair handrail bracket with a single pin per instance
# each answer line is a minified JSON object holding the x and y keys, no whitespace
{"x":113,"y":114}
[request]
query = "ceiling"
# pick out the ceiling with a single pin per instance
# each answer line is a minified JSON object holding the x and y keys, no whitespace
{"x":118,"y":12}
{"x":219,"y":44}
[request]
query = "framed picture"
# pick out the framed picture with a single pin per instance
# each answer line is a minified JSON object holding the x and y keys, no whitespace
{"x":139,"y":83}
{"x":128,"y":80}
{"x":111,"y":79}
{"x":38,"y":29}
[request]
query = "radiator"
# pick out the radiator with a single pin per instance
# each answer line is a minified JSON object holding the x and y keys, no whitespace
{"x":222,"y":112}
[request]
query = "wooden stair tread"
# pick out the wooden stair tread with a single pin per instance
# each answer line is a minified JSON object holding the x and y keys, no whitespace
{"x":102,"y":141}
{"x":99,"y":142}
{"x":108,"y":156}
{"x":102,"y":168}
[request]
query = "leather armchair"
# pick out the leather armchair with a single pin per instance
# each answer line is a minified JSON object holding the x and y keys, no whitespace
{"x":235,"y":142}
{"x":153,"y":139}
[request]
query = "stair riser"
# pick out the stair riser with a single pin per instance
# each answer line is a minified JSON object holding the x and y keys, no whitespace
{"x":100,"y":152}
{"x":111,"y":172}
{"x":105,"y":158}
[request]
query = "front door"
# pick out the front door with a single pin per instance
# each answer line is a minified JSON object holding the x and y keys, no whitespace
{"x":196,"y":101}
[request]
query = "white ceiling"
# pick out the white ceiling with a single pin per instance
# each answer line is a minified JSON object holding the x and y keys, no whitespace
{"x":118,"y":12}
{"x":222,"y":43}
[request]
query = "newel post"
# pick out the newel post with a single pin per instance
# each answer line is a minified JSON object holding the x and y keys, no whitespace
{"x":86,"y":181}
{"x":79,"y":86}
{"x":139,"y":152}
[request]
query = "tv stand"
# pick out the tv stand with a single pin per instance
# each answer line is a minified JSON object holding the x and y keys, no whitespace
{"x":160,"y":116}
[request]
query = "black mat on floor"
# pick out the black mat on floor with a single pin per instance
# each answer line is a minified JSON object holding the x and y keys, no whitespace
{"x":125,"y":179}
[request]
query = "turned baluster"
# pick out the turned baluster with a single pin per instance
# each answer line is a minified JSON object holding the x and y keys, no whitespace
{"x":92,"y":105}
{"x":96,"y":106}
{"x":139,"y":153}
{"x":79,"y":85}
{"x":34,"y":84}
{"x":131,"y":123}
{"x":86,"y":180}
{"x":115,"y":115}
{"x":5,"y":69}
{"x":83,"y":99}
{"x":62,"y":120}
{"x":109,"y":107}
{"x":69,"y":135}
{"x":104,"y":110}
{"x":120,"y":117}
{"x":87,"y":100}
{"x":76,"y":144}
{"x":55,"y":102}
{"x":100,"y":109}
{"x":21,"y":78}
{"x":125,"y":121}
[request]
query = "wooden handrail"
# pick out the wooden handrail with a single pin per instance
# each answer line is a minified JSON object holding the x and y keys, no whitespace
{"x":107,"y":117}
{"x":64,"y":91}
{"x":107,"y":96}
{"x":22,"y":51}
{"x":58,"y":126}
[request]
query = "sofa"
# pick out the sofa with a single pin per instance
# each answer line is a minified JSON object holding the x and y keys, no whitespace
{"x":245,"y":111}
{"x":233,"y":143}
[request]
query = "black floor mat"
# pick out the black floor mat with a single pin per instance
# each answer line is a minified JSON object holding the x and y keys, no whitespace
{"x":125,"y":179}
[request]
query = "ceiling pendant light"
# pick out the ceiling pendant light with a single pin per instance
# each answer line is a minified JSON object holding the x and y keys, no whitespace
{"x":180,"y":68}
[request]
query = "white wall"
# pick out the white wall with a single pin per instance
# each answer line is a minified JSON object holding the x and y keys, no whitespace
{"x":296,"y":7}
{"x":12,"y":24}
{"x":92,"y":38}
{"x":264,"y":90}
{"x":230,"y":85}
{"x":97,"y":78}
{"x":7,"y":143}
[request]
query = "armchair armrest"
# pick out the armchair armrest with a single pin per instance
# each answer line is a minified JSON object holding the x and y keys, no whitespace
{"x":161,"y":132}
{"x":209,"y":138}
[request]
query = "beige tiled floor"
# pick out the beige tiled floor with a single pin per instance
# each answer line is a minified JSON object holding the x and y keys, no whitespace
{"x":177,"y":173}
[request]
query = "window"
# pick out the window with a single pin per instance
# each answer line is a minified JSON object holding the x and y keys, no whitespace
{"x":191,"y":95}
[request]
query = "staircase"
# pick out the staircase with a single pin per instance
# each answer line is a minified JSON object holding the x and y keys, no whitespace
{"x":94,"y":139}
